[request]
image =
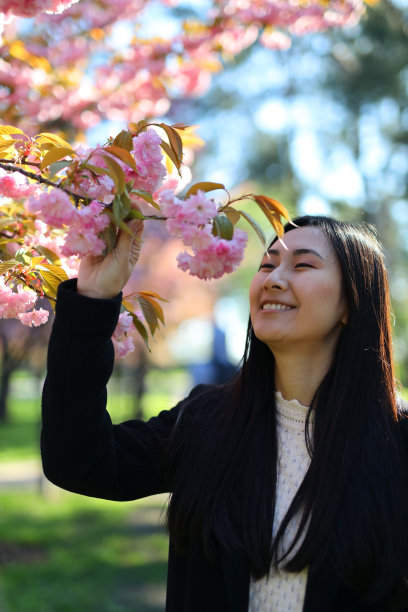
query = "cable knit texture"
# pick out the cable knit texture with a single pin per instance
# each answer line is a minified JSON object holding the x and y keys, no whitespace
{"x":285,"y":591}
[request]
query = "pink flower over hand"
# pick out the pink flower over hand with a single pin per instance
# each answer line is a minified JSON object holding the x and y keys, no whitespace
{"x":54,"y":207}
{"x":82,"y":243}
{"x":34,"y":318}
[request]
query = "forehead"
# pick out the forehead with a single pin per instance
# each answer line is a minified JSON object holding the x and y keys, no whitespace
{"x":304,"y":238}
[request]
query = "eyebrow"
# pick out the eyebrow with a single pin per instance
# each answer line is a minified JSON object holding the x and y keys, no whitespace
{"x":297,"y":252}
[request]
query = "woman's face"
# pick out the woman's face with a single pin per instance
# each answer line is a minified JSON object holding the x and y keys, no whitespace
{"x":296,"y":297}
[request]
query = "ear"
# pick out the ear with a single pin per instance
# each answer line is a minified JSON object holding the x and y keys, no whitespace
{"x":344,"y":318}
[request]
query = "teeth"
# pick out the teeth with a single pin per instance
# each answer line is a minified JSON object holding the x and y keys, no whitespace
{"x":270,"y":306}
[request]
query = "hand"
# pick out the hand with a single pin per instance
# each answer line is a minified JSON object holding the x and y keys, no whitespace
{"x":105,"y":277}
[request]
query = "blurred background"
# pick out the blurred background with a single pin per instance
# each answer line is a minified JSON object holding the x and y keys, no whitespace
{"x":321,"y":126}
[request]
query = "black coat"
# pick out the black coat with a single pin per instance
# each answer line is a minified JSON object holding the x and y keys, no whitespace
{"x":83,"y":452}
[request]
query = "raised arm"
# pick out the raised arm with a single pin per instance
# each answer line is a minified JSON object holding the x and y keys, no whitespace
{"x":82,"y":451}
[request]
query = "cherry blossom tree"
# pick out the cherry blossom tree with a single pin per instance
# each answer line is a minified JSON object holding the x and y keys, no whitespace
{"x":66,"y":70}
{"x":63,"y":201}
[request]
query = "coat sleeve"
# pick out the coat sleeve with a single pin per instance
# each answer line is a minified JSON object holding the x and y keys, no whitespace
{"x":81,"y":450}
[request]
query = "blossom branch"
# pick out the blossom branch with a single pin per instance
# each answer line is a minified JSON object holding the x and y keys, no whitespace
{"x":40,"y":179}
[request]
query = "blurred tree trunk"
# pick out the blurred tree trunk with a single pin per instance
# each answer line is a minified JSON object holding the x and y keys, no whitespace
{"x":20,"y":346}
{"x":5,"y":375}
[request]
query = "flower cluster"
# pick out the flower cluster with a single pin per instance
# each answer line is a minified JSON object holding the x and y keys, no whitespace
{"x":76,"y":200}
{"x":15,"y":186}
{"x":48,"y":78}
{"x":85,"y":224}
{"x":30,"y":8}
{"x":190,"y":220}
{"x":122,"y":340}
{"x":18,"y":304}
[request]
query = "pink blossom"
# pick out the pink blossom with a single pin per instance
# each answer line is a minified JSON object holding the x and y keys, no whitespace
{"x":122,"y":342}
{"x":55,"y":208}
{"x":89,"y":218}
{"x":198,"y":208}
{"x":273,"y":39}
{"x":13,"y":185}
{"x":34,"y":318}
{"x":124,"y":325}
{"x":234,"y":40}
{"x":100,"y":188}
{"x":123,"y":347}
{"x":220,"y":257}
{"x":30,"y":8}
{"x":12,"y":303}
{"x":169,"y":203}
{"x":149,"y":161}
{"x":82,"y":242}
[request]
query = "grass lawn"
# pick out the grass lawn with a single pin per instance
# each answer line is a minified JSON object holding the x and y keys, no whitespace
{"x":67,"y":553}
{"x":19,"y":437}
{"x":61,"y":552}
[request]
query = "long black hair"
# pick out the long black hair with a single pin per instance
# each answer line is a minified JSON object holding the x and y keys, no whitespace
{"x":353,"y":501}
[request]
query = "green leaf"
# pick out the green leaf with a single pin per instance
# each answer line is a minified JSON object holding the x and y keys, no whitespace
{"x":171,"y":154}
{"x":96,"y":169}
{"x":116,"y":173}
{"x":254,"y":224}
{"x":145,"y":195}
{"x":222,"y":227}
{"x":123,"y":155}
{"x":49,"y":255}
{"x":58,"y":166}
{"x":174,"y":139}
{"x":124,"y":140}
{"x":120,"y":209}
{"x":232,"y":214}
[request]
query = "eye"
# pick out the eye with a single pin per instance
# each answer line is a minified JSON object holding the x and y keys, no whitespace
{"x":267,"y":266}
{"x":303,"y":265}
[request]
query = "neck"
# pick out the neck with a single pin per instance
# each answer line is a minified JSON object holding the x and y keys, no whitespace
{"x":298,"y":376}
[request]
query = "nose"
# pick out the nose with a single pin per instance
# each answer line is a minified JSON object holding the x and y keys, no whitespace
{"x":276,"y":280}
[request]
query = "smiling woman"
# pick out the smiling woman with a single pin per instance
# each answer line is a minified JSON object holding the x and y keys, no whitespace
{"x":289,"y":483}
{"x":298,"y":306}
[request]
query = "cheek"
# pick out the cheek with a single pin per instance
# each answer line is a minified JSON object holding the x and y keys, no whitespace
{"x":254,"y":290}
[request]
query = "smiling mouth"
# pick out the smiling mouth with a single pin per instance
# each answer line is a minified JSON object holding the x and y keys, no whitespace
{"x":275,"y":307}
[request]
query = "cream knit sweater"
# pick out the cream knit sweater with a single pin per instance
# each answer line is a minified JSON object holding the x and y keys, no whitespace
{"x":284,"y":591}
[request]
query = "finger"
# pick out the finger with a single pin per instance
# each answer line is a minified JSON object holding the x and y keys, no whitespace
{"x":129,"y":245}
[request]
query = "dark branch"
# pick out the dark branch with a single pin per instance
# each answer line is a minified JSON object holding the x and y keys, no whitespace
{"x":39,"y":179}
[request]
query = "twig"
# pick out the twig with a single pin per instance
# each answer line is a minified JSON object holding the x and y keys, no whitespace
{"x":39,"y":179}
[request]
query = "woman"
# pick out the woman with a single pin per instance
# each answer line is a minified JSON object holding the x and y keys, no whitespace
{"x":288,"y":484}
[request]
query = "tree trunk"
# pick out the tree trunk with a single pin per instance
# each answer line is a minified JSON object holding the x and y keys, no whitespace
{"x":5,"y":376}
